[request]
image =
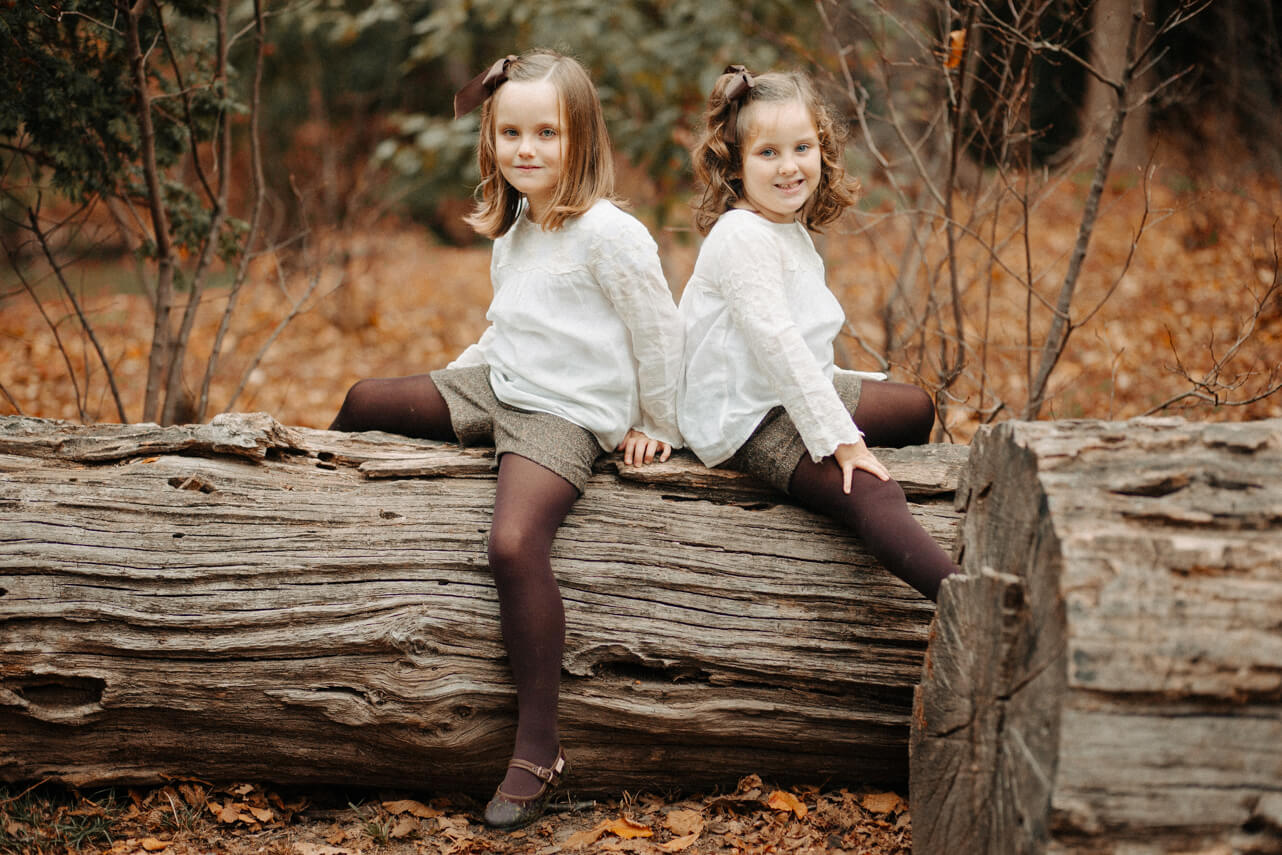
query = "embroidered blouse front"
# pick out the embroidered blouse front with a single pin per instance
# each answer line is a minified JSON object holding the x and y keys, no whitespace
{"x":759,"y":325}
{"x":582,"y":325}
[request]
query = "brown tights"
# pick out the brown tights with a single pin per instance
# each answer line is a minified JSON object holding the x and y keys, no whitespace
{"x":890,"y":415}
{"x":530,"y":502}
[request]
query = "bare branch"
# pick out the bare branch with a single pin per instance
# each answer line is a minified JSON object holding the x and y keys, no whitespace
{"x":1130,"y":252}
{"x":260,"y":191}
{"x":174,"y":377}
{"x":8,"y":397}
{"x":85,"y":324}
{"x":1210,"y":388}
{"x":53,"y":328}
{"x":1057,"y":337}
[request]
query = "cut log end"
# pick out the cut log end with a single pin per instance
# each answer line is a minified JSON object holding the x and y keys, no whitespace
{"x":1106,"y":674}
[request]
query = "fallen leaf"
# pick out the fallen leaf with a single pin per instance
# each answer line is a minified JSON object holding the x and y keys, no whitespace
{"x":749,"y":787}
{"x":151,"y":844}
{"x":451,"y":823}
{"x":411,"y":807}
{"x":676,"y":844}
{"x":780,"y":800}
{"x":587,"y":836}
{"x":262,"y":814}
{"x":404,"y":827}
{"x":684,"y":822}
{"x":194,"y":796}
{"x":242,"y":790}
{"x":305,"y":848}
{"x":616,"y":844}
{"x":881,"y":802}
{"x":628,"y":829}
{"x":87,"y":808}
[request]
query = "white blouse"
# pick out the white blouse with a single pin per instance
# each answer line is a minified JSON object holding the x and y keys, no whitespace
{"x":583,"y":326}
{"x":759,"y":326}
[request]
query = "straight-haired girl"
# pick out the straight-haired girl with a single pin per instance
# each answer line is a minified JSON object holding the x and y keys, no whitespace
{"x":583,"y":354}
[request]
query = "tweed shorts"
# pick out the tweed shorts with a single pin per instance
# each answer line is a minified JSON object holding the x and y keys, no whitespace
{"x":775,"y":448}
{"x":479,"y":418}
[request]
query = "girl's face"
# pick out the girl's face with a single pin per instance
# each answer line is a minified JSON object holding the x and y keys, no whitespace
{"x":782,"y":162}
{"x":529,"y":142}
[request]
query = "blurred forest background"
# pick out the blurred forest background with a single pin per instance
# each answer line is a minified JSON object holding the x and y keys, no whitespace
{"x":1070,"y":207}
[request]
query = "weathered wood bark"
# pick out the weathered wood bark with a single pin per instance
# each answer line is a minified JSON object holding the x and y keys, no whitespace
{"x":1107,"y":675}
{"x":240,"y":600}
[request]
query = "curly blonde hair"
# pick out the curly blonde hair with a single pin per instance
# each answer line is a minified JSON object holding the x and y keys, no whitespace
{"x":587,"y":170}
{"x":718,"y":156}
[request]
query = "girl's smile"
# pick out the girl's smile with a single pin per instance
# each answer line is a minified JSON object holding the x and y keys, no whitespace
{"x":781,"y":159}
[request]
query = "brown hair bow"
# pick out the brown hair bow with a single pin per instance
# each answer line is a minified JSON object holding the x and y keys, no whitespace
{"x":482,"y":86}
{"x":736,"y":89}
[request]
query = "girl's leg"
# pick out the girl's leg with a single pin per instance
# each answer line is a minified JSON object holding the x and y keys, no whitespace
{"x":410,"y":406}
{"x":890,"y":415}
{"x":877,"y":512}
{"x":529,"y":506}
{"x":893,"y":415}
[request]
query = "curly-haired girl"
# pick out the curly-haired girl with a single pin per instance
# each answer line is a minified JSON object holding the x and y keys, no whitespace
{"x":761,"y":393}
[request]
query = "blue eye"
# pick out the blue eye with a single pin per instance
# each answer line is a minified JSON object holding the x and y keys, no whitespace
{"x":803,"y":148}
{"x":547,"y":132}
{"x":767,"y":152}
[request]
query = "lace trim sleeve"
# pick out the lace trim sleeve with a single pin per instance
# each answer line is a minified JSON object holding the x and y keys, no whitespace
{"x":626,"y":265}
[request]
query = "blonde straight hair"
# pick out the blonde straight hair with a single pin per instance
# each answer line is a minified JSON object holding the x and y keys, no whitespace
{"x":587,"y":165}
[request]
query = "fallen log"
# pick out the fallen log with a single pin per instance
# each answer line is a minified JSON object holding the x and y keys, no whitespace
{"x":1107,"y":675}
{"x":246,"y":601}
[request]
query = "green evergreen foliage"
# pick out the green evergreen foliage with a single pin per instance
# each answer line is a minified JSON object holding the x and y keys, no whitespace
{"x":70,"y":102}
{"x":67,"y":100}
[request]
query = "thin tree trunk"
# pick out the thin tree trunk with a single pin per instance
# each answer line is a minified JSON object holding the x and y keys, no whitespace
{"x":162,"y":335}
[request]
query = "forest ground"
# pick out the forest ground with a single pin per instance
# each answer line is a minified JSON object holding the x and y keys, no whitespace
{"x":397,"y":301}
{"x":197,"y":818}
{"x":394,"y":300}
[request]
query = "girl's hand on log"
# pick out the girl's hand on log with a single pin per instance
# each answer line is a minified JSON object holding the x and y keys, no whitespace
{"x":638,"y":448}
{"x":855,"y":455}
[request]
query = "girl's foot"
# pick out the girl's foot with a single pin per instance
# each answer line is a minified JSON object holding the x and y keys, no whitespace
{"x":509,"y":812}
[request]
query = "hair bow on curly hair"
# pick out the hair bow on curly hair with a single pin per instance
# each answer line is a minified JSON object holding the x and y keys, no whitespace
{"x":736,"y":90}
{"x":481,"y":87}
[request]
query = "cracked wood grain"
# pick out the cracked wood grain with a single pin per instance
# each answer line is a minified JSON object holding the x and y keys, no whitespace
{"x":242,"y":600}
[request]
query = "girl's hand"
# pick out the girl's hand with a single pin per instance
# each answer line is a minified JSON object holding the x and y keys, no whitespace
{"x":855,"y":455}
{"x":638,"y":448}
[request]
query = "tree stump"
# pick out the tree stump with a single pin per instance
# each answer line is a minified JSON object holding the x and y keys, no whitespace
{"x":246,"y":601}
{"x":1107,"y":675}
